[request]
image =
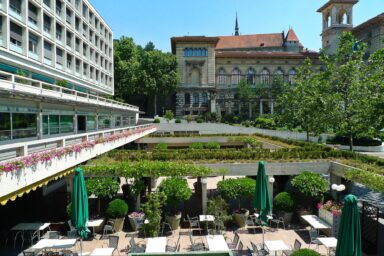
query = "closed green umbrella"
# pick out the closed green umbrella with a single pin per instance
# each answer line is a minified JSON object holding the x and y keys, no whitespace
{"x":80,"y":213}
{"x":261,"y":200}
{"x":349,"y":234}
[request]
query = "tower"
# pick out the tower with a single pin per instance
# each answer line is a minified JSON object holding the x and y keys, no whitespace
{"x":336,"y":18}
{"x":236,"y":27}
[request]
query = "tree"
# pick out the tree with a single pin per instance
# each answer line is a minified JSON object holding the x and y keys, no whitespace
{"x":168,"y":115}
{"x":305,"y":103}
{"x":246,"y":94}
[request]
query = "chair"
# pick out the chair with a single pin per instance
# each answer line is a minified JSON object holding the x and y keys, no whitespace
{"x":113,"y":242}
{"x":219,"y":226}
{"x":72,"y":234}
{"x":239,"y":249}
{"x":258,"y":250}
{"x":71,"y":227}
{"x":296,"y":246}
{"x":135,"y":248}
{"x":109,"y":227}
{"x":233,"y":244}
{"x":166,"y":226}
{"x":314,"y":238}
{"x":28,"y":253}
{"x":194,"y":223}
{"x":196,"y":246}
{"x":277,"y":221}
{"x":19,"y":234}
{"x":53,"y":235}
{"x":174,"y":248}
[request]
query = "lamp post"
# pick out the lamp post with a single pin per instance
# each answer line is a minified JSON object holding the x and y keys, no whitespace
{"x":271,"y":180}
{"x":338,"y":188}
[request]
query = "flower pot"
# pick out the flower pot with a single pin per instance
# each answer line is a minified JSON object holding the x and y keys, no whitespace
{"x":331,"y":219}
{"x":173,"y":220}
{"x":134,"y":222}
{"x":287,"y":216}
{"x":118,"y":224}
{"x":240,"y":218}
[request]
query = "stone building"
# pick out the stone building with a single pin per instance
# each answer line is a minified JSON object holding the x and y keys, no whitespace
{"x":212,"y":67}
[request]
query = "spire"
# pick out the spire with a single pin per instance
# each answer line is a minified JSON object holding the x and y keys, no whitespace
{"x":236,"y":27}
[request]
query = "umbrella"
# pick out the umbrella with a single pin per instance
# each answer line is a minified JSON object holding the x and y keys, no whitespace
{"x":80,"y":213}
{"x":349,"y":234}
{"x":261,"y":200}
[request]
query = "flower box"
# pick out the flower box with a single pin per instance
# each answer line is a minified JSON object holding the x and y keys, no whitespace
{"x":136,"y":220}
{"x":332,"y":218}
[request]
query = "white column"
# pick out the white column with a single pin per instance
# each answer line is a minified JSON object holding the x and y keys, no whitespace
{"x":270,"y":188}
{"x":204,"y":198}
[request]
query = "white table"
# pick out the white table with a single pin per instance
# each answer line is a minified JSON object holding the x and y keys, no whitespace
{"x":216,"y":243}
{"x":316,"y":222}
{"x":34,"y":226}
{"x":276,"y":245}
{"x":102,"y":252}
{"x":94,"y":224}
{"x":206,"y":218}
{"x":54,"y":244}
{"x":156,"y":244}
{"x":328,"y":242}
{"x":269,"y":217}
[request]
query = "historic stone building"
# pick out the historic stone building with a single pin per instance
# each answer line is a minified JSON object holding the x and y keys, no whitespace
{"x":212,"y":67}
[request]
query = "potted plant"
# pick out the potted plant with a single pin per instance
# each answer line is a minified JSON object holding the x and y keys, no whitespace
{"x":176,"y":191}
{"x":116,"y":211}
{"x":102,"y":188}
{"x":153,"y":211}
{"x":241,"y":188}
{"x":135,"y":219}
{"x":283,"y":205}
{"x":218,"y":207}
{"x":330,"y":212}
{"x":310,"y":188}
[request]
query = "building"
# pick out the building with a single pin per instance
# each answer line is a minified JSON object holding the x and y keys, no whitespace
{"x":56,"y":74}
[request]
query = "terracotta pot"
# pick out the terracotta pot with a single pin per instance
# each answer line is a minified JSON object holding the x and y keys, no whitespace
{"x":240,"y":217}
{"x":174,"y":221}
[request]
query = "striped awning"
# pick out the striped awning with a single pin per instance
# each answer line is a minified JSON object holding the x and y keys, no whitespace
{"x":26,"y":190}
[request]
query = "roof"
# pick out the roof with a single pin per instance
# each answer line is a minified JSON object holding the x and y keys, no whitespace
{"x":369,"y":22}
{"x":250,"y":41}
{"x":325,"y":6}
{"x":267,"y":55}
{"x":192,"y":39}
{"x":291,"y":36}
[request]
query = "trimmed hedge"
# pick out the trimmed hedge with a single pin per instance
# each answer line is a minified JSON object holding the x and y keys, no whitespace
{"x":305,"y":252}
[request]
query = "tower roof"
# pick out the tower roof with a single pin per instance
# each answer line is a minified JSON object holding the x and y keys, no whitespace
{"x":291,"y":36}
{"x":236,"y":27}
{"x":330,"y":2}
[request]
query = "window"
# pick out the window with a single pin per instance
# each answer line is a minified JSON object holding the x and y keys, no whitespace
{"x":204,"y":52}
{"x":291,"y":76}
{"x":199,"y":52}
{"x":195,"y":98}
{"x":59,"y":32}
{"x":16,"y":35}
{"x":69,"y":39}
{"x":85,"y":69}
{"x":91,"y":123}
{"x":222,"y":76}
{"x":69,"y":16}
{"x":47,"y":51}
{"x":47,"y":3}
{"x":279,"y":74}
{"x":85,"y":30}
{"x":195,"y":76}
{"x":190,"y":52}
{"x":66,"y":124}
{"x":5,"y":126}
{"x":69,"y":61}
{"x":104,"y":122}
{"x":77,"y":24}
{"x":250,"y":76}
{"x":235,"y":79}
{"x":264,"y":76}
{"x":24,"y":125}
{"x":32,"y":13}
{"x":47,"y":24}
{"x":204,"y":98}
{"x":59,"y":56}
{"x":77,"y":65}
{"x":15,"y":6}
{"x":187,"y":99}
{"x":194,"y":52}
{"x":117,"y":121}
{"x":185,"y":52}
{"x":55,"y":124}
{"x":32,"y":43}
{"x":58,"y":7}
{"x":84,"y":50}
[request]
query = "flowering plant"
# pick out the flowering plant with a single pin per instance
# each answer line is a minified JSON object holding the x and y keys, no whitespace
{"x":333,"y":207}
{"x":136,"y":215}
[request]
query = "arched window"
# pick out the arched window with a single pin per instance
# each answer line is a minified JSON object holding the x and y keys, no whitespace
{"x":187,"y":99}
{"x":195,"y":98}
{"x":327,"y":21}
{"x":235,"y":79}
{"x":194,"y":52}
{"x":251,"y":76}
{"x":342,"y":17}
{"x":199,"y":52}
{"x":190,"y":52}
{"x":222,"y":78}
{"x":204,"y":52}
{"x":291,"y":76}
{"x":264,"y":76}
{"x":204,"y":98}
{"x":195,"y":76}
{"x":185,"y":52}
{"x":279,"y":74}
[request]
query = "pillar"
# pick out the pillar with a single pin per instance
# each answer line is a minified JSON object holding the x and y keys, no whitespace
{"x":272,"y":106}
{"x":204,"y":197}
{"x":270,"y":188}
{"x":261,"y":107}
{"x":40,"y":121}
{"x":250,"y":110}
{"x":334,"y":179}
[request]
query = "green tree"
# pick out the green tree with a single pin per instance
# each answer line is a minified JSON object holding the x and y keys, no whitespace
{"x":153,"y":213}
{"x":246,"y":94}
{"x":168,"y":115}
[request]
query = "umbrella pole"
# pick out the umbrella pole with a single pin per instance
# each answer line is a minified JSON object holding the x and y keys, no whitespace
{"x":81,"y":246}
{"x":263,"y":235}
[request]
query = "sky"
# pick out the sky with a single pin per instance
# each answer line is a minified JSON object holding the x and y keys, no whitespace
{"x":159,"y":20}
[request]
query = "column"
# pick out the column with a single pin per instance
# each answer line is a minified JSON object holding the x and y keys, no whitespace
{"x":261,"y":107}
{"x":40,"y":121}
{"x":249,"y":109}
{"x":75,"y":124}
{"x":270,"y":187}
{"x":204,"y":197}
{"x":272,"y":106}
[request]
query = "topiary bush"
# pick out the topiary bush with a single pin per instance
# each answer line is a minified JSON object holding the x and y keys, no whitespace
{"x":305,"y":252}
{"x":117,"y":208}
{"x":241,"y":188}
{"x":156,"y":121}
{"x":177,"y":121}
{"x":176,"y":191}
{"x":284,"y":202}
{"x":310,"y":184}
{"x":199,"y":120}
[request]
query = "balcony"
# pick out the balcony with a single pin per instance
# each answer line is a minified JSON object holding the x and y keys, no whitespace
{"x":66,"y":153}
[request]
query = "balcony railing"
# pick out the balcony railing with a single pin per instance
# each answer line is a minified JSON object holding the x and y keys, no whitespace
{"x":232,"y":80}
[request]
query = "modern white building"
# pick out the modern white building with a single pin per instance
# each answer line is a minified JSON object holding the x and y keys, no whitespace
{"x":56,"y":74}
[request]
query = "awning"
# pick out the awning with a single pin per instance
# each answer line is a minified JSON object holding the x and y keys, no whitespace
{"x":26,"y":190}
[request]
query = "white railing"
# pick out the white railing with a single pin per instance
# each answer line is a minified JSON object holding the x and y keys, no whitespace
{"x":16,"y":83}
{"x":21,"y":149}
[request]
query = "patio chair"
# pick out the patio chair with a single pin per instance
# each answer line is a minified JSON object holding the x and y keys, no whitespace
{"x":194,"y":223}
{"x":219,"y":226}
{"x":18,"y":235}
{"x":113,"y":242}
{"x":166,"y":226}
{"x":32,"y":236}
{"x":71,"y":227}
{"x":196,"y":246}
{"x":135,"y":248}
{"x":277,"y":221}
{"x":314,"y":235}
{"x":239,"y":249}
{"x":233,"y":243}
{"x":174,"y":248}
{"x":258,"y":250}
{"x":109,"y":228}
{"x":296,"y":246}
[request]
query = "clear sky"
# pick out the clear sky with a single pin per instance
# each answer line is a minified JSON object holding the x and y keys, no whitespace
{"x":159,"y":20}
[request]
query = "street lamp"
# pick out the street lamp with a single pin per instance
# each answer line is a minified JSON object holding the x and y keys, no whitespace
{"x":338,"y":188}
{"x":271,"y":180}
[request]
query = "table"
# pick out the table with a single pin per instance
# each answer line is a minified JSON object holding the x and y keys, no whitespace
{"x":206,"y":218}
{"x":216,"y":243}
{"x":54,"y":244}
{"x":34,"y":226}
{"x":269,"y":217}
{"x":316,"y":222}
{"x":276,"y":245}
{"x":156,"y":244}
{"x":102,"y":252}
{"x":94,"y":224}
{"x":328,"y":242}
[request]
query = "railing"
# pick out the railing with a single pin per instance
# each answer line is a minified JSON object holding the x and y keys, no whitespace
{"x":16,"y":81}
{"x":232,"y":80}
{"x":21,"y":149}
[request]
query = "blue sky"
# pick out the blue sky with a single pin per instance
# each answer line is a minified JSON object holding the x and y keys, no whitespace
{"x":159,"y":20}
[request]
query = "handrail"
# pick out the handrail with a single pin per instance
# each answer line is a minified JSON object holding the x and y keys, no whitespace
{"x":42,"y":85}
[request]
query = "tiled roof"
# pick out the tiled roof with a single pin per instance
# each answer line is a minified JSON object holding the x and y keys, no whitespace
{"x":266,"y":55}
{"x":369,"y":22}
{"x":250,"y":41}
{"x":336,"y":2}
{"x":291,"y":36}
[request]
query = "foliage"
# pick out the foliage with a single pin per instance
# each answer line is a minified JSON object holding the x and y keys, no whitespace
{"x":212,"y":145}
{"x":117,"y":208}
{"x":168,"y":115}
{"x":176,"y":190}
{"x":359,"y":141}
{"x":177,"y":121}
{"x":102,"y":187}
{"x":370,"y":179}
{"x":161,"y":146}
{"x":156,"y":121}
{"x":333,"y":207}
{"x":241,"y":188}
{"x":188,"y":118}
{"x":245,"y":90}
{"x":62,"y":83}
{"x":199,"y":120}
{"x":69,"y":210}
{"x":218,"y":207}
{"x":310,"y":184}
{"x":305,"y":252}
{"x":284,"y":202}
{"x":196,"y":145}
{"x":265,"y":122}
{"x":153,"y":213}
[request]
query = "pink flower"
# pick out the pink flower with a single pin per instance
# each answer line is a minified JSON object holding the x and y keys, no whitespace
{"x":318,"y":205}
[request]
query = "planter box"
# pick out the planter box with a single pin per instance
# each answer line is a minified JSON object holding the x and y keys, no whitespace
{"x":136,"y":223}
{"x":331,"y":219}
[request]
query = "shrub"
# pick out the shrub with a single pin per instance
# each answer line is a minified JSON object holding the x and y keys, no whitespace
{"x":310,"y":184}
{"x":156,"y":121}
{"x":196,"y":145}
{"x":153,"y":213}
{"x":199,"y":120}
{"x":265,"y":123}
{"x":305,"y":252}
{"x":69,"y":210}
{"x":102,"y":187}
{"x":240,"y":188}
{"x":218,"y":207}
{"x":176,"y":190}
{"x":212,"y":145}
{"x":188,"y":118}
{"x":177,"y":121}
{"x":161,"y":146}
{"x":168,"y":115}
{"x":117,"y":208}
{"x":283,"y":202}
